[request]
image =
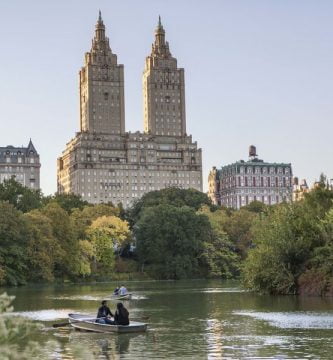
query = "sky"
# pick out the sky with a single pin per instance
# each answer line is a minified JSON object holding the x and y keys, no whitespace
{"x":256,"y":72}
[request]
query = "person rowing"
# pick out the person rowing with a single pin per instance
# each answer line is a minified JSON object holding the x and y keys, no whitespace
{"x":104,"y":314}
{"x":122,"y":291}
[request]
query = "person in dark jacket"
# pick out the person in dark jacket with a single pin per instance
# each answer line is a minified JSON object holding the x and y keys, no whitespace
{"x":104,"y":314}
{"x":121,"y":315}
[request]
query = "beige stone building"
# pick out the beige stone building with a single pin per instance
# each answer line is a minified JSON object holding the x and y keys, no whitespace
{"x":103,"y":162}
{"x":299,"y":189}
{"x":22,"y":164}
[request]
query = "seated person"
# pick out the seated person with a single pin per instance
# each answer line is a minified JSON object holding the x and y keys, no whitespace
{"x":122,"y":290}
{"x":116,"y":291}
{"x":104,"y":314}
{"x":121,"y":316}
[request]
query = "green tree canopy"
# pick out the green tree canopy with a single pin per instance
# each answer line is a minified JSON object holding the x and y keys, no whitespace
{"x":42,"y":247}
{"x":13,"y":241}
{"x":170,"y":240}
{"x":68,"y":202}
{"x":169,"y":196}
{"x":21,"y":197}
{"x":106,"y":234}
{"x":289,"y":241}
{"x":219,"y":252}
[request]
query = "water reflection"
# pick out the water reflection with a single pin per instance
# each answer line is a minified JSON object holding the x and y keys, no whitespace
{"x":187,"y":320}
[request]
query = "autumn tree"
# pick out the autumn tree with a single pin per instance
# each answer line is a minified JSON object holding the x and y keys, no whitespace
{"x":106,"y":234}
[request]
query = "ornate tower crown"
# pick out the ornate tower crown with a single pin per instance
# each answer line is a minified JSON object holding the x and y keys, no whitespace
{"x":160,"y":48}
{"x":102,"y":87}
{"x":163,"y":90}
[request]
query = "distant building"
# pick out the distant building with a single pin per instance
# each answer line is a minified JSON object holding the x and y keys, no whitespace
{"x":242,"y":182}
{"x":299,"y":189}
{"x":103,"y":162}
{"x":22,"y":164}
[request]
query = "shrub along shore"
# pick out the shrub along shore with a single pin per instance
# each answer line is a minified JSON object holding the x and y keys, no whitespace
{"x":167,"y":234}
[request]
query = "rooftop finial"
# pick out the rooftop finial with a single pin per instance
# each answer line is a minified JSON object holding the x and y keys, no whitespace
{"x":100,"y":16}
{"x":159,"y":21}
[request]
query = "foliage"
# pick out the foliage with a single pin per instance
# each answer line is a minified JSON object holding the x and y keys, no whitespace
{"x":68,"y":202}
{"x":12,"y":330}
{"x":16,"y":332}
{"x":42,"y":247}
{"x":293,"y":246}
{"x":82,"y":218}
{"x":66,"y":264}
{"x":21,"y":197}
{"x":238,"y":227}
{"x":218,"y":251}
{"x":12,"y":245}
{"x":169,"y":240}
{"x":169,"y":196}
{"x":106,"y":234}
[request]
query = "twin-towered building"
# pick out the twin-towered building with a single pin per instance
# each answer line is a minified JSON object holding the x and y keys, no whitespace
{"x":103,"y":162}
{"x":242,"y":182}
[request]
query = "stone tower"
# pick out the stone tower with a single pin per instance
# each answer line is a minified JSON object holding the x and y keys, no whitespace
{"x":102,"y":107}
{"x":103,"y":162}
{"x":163,"y":90}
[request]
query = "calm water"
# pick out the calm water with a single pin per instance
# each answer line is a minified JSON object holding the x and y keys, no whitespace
{"x":192,"y":319}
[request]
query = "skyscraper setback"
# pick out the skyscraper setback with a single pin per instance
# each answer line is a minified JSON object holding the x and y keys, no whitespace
{"x":103,"y":162}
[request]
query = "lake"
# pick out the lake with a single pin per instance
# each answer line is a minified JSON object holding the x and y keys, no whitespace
{"x":193,"y":319}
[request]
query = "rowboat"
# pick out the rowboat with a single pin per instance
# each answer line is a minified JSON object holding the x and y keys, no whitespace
{"x":127,"y":296}
{"x":86,"y":322}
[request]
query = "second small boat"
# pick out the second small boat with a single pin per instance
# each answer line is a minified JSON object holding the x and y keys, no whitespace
{"x":127,"y":296}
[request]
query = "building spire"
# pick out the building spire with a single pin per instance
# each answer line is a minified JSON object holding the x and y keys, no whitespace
{"x":160,"y":46}
{"x":100,"y":28}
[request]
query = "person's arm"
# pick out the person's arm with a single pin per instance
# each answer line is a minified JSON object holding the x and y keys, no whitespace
{"x":109,"y":312}
{"x":99,"y":313}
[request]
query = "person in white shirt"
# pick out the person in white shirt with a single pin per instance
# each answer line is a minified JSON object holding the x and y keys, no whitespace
{"x":122,"y":290}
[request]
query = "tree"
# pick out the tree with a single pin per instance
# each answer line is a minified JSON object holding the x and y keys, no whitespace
{"x":82,"y":219}
{"x":13,"y":260}
{"x":106,"y":234}
{"x":284,"y":243}
{"x":21,"y":197}
{"x":170,"y":239}
{"x":169,"y":196}
{"x":238,"y":227}
{"x":66,"y":263}
{"x":68,"y":202}
{"x":42,"y":247}
{"x":219,"y":253}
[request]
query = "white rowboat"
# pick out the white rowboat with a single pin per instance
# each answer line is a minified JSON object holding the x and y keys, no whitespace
{"x":127,"y":296}
{"x":85,"y":322}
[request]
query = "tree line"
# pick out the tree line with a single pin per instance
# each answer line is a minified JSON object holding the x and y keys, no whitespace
{"x":168,"y":234}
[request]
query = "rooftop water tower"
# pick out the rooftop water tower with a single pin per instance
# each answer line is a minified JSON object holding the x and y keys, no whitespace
{"x":252,"y":152}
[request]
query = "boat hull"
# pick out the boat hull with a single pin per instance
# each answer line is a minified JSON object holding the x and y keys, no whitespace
{"x":84,"y":322}
{"x":121,"y":297}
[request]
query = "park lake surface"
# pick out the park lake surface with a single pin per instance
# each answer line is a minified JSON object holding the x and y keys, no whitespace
{"x":187,"y":319}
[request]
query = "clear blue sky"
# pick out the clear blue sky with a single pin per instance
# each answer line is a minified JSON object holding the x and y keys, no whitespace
{"x":257,"y":72}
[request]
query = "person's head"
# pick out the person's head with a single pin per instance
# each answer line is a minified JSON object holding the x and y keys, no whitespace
{"x":104,"y":303}
{"x":120,"y":306}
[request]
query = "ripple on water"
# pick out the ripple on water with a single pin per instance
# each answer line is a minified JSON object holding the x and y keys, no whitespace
{"x":293,"y":320}
{"x":223,"y":290}
{"x":44,"y":315}
{"x":93,"y":298}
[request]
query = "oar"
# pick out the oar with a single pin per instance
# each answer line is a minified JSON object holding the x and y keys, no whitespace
{"x":73,"y":322}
